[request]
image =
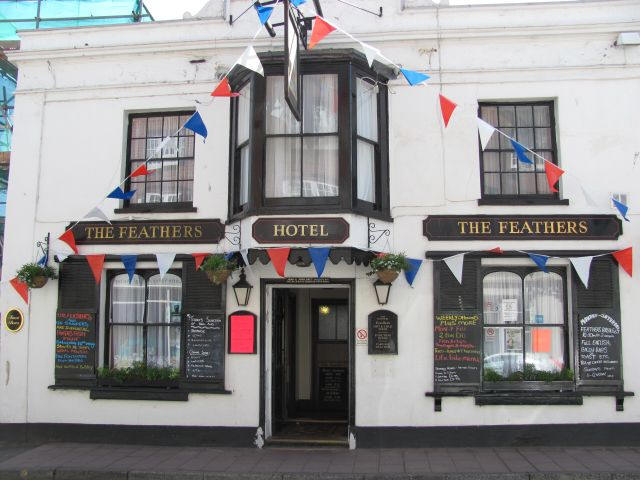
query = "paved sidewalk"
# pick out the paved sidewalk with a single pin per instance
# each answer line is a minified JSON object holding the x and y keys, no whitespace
{"x":134,"y":462}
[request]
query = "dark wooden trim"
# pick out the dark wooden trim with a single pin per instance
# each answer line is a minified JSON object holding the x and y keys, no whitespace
{"x":170,"y":435}
{"x":519,"y":399}
{"x":178,"y":207}
{"x":154,"y":394}
{"x":489,"y":200}
{"x":440,"y":254}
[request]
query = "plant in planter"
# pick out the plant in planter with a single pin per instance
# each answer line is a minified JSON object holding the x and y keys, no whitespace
{"x":388,"y":266}
{"x":218,"y":268}
{"x":530,"y":374}
{"x":139,"y":374}
{"x":34,"y":275}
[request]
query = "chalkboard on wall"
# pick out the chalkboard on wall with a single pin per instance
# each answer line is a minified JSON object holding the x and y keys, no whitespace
{"x":457,"y":348}
{"x":75,"y":345}
{"x":599,"y":348}
{"x":383,"y":333}
{"x":204,"y":347}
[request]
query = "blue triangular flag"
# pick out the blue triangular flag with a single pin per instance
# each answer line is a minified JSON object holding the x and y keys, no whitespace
{"x":43,"y":260}
{"x":319,"y":257}
{"x":196,"y":125}
{"x":129,"y":262}
{"x":297,"y":3}
{"x":229,"y":256}
{"x":622,"y":208}
{"x":414,"y":78}
{"x":520,"y":151}
{"x":414,"y":266}
{"x":263,"y":13}
{"x":540,"y":260}
{"x":119,"y":194}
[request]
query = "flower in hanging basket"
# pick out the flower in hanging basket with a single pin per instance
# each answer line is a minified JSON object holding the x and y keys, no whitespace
{"x":388,"y":266}
{"x":34,"y":275}
{"x":218,"y":268}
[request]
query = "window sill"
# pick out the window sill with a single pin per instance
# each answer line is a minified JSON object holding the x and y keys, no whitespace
{"x":528,"y":398}
{"x":140,"y":393}
{"x":523,"y":201}
{"x":158,"y":208}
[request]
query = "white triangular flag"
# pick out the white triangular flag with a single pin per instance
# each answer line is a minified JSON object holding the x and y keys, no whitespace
{"x":165,"y":260}
{"x":486,"y":131}
{"x":369,"y":52}
{"x":163,"y":143}
{"x":97,"y":213}
{"x":455,"y":264}
{"x":582,"y":266}
{"x":244,"y":253}
{"x":61,"y":256}
{"x":250,"y":60}
{"x":590,"y":201}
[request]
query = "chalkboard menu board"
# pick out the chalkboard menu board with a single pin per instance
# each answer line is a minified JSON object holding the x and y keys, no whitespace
{"x":204,"y":347}
{"x":332,"y":385}
{"x":75,"y":345}
{"x":599,"y":347}
{"x":383,"y":333}
{"x":457,"y":348}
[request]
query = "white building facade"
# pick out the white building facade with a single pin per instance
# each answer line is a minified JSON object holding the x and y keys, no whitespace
{"x":509,"y":355}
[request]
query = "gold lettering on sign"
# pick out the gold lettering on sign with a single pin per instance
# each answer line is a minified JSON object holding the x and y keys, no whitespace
{"x":278,"y":230}
{"x":503,"y":227}
{"x":291,"y":230}
{"x":313,"y":230}
{"x":164,"y":231}
{"x":486,"y":227}
{"x":461,"y":225}
{"x":562,"y":227}
{"x":198,"y":230}
{"x":323,"y":233}
{"x":582,"y":225}
{"x":122,"y":231}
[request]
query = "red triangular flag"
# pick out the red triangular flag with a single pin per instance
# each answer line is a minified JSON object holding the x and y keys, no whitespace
{"x":21,"y":288}
{"x":553,"y":174}
{"x":224,"y":89}
{"x":141,"y":170}
{"x":496,"y":250}
{"x":447,"y":107}
{"x":625,"y":259}
{"x":321,"y":29}
{"x":96,"y":262}
{"x":68,"y":238}
{"x":199,"y":258}
{"x":279,"y":258}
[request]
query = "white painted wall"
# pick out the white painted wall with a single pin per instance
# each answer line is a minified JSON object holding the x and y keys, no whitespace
{"x":77,"y":87}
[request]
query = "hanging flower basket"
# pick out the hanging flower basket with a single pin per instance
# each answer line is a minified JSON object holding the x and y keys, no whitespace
{"x":387,"y":276}
{"x":39,"y":281}
{"x":34,"y":275}
{"x":218,"y":276}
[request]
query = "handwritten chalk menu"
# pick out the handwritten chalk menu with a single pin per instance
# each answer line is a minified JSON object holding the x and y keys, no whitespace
{"x":75,"y":344}
{"x":204,"y":359}
{"x":457,"y":348}
{"x":383,"y":333}
{"x":332,"y":385}
{"x":599,"y":347}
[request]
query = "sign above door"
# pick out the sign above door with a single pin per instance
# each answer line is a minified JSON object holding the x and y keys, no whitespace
{"x":322,"y":230}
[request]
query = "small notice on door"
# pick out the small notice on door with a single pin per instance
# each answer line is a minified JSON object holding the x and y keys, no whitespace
{"x":361,"y":336}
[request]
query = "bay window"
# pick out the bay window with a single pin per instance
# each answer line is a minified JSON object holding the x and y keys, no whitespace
{"x":333,"y":160}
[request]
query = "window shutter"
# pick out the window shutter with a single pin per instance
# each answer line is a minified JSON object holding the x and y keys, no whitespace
{"x":199,"y":292}
{"x":77,"y":287}
{"x":458,"y":317}
{"x":597,"y":326}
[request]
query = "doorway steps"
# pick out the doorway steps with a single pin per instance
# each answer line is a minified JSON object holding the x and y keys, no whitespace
{"x":309,"y":432}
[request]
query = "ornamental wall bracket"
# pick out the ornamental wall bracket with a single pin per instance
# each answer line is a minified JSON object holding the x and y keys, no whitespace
{"x":233,"y":234}
{"x":43,"y":245}
{"x":375,"y":233}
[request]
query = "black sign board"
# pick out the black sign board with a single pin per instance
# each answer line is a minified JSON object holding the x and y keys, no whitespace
{"x":148,"y":232}
{"x":332,"y":385}
{"x":457,"y":348}
{"x":292,"y":45}
{"x":599,"y":349}
{"x":300,"y":230}
{"x":14,"y":320}
{"x":204,"y":345}
{"x":75,"y":345}
{"x":519,"y":227}
{"x":383,"y":332}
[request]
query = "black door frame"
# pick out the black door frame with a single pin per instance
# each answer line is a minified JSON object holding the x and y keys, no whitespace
{"x":348,"y":282}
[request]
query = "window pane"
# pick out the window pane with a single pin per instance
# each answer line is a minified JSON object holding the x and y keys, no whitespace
{"x":139,"y":195}
{"x":279,"y":116}
{"x":138,"y":149}
{"x":163,"y":347}
{"x":544,"y":298}
{"x":320,"y":103}
{"x":492,"y":183}
{"x":510,"y":184}
{"x":527,"y":183}
{"x":367,"y":105}
{"x":126,"y":345}
{"x":244,"y":114}
{"x":545,"y":348}
{"x":505,"y":143}
{"x":282,"y":176}
{"x":503,"y":350}
{"x":491,"y":161}
{"x":155,"y":169}
{"x":127,"y":299}
{"x":524,"y":115}
{"x":244,"y":175}
{"x":366,"y":172}
{"x":153,"y":192}
{"x":320,"y":167}
{"x":186,"y":169}
{"x":326,"y":322}
{"x":170,"y":126}
{"x":185,"y":191}
{"x":502,"y":297}
{"x":154,"y":127}
{"x":152,"y":148}
{"x":342,"y":319}
{"x":164,"y":300}
{"x":509,"y":161}
{"x":169,"y":192}
{"x":170,"y":170}
{"x":170,"y":150}
{"x":525,"y":137}
{"x":186,"y":147}
{"x":489,"y":115}
{"x":541,"y":116}
{"x":138,"y":127}
{"x":543,"y":138}
{"x":507,"y":116}
{"x":543,"y":184}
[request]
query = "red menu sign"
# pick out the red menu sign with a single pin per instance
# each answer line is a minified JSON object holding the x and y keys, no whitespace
{"x":242,"y":332}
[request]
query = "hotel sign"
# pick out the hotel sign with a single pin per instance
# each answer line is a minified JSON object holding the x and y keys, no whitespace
{"x":522,"y":227}
{"x":150,"y":231}
{"x":300,"y":230}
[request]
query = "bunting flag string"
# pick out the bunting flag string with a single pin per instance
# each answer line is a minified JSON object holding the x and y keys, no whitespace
{"x":165,"y":260}
{"x":224,"y":89}
{"x":622,"y":208}
{"x":96,"y":262}
{"x":446,"y":107}
{"x":413,"y":77}
{"x":142,"y":169}
{"x":369,"y":52}
{"x":196,"y":125}
{"x":249,"y":59}
{"x":129,"y":262}
{"x":199,"y":258}
{"x":414,"y":266}
{"x":319,"y":256}
{"x":119,"y":194}
{"x":264,"y":13}
{"x":485,"y":131}
{"x":321,"y":28}
{"x":21,"y":288}
{"x":98,"y":213}
{"x":539,"y":260}
{"x":279,"y":257}
{"x":497,"y":250}
{"x":625,"y":259}
{"x":455,"y":264}
{"x":582,"y":266}
{"x":553,"y":173}
{"x":68,"y":238}
{"x":521,"y":151}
